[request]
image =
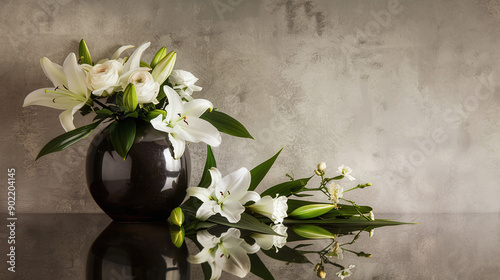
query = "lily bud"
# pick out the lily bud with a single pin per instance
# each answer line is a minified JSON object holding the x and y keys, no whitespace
{"x":163,"y":69}
{"x":155,"y":113}
{"x":311,"y":211}
{"x":130,"y":98}
{"x":84,"y":54}
{"x":177,"y":216}
{"x":313,"y":232}
{"x":158,"y":56}
{"x":177,"y":235}
{"x":317,"y":267}
{"x":321,"y":273}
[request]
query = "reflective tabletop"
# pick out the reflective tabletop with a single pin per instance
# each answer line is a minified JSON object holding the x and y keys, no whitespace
{"x":90,"y":246}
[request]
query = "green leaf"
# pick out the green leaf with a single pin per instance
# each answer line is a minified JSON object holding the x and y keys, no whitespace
{"x":247,"y":222}
{"x":122,"y":135}
{"x":286,"y":188}
{"x":67,"y":139}
{"x":258,"y":268}
{"x":311,"y":211}
{"x":226,"y":124}
{"x":286,"y":254}
{"x":130,"y":98}
{"x":155,"y":113}
{"x":84,"y":54}
{"x":260,"y":171}
{"x":144,"y":64}
{"x":206,"y":179}
{"x":312,"y":232}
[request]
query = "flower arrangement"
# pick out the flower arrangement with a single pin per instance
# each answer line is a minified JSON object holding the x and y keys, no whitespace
{"x":126,"y":91}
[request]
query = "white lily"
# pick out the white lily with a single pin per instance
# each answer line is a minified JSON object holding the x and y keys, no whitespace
{"x":225,"y":196}
{"x":183,"y":123}
{"x":273,"y":208}
{"x":267,"y":241}
{"x":228,"y":252}
{"x":346,"y":272}
{"x":346,"y":171}
{"x":184,"y":83}
{"x":70,"y":93}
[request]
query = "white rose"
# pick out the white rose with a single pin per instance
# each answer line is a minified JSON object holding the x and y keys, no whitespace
{"x":104,"y":77}
{"x":184,"y":83}
{"x":146,"y":87}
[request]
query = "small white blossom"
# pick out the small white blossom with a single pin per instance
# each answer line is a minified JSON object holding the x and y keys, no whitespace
{"x":336,"y":192}
{"x":184,"y":83}
{"x":346,"y":272}
{"x":321,"y":166}
{"x":336,"y":251}
{"x":267,"y":241}
{"x":346,"y":171}
{"x":372,"y":216}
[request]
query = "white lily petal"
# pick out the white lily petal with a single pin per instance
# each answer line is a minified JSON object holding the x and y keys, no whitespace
{"x":160,"y":125}
{"x":232,"y":210}
{"x":54,"y":72}
{"x":195,"y":130}
{"x":250,"y":249}
{"x":119,"y":51}
{"x":206,"y":239}
{"x":237,"y":183}
{"x":206,"y":210}
{"x":178,"y":144}
{"x":66,"y":117}
{"x":197,"y":107}
{"x":202,"y":194}
{"x":249,"y":196}
{"x":75,"y":76}
{"x":201,"y":257}
{"x":216,"y":271}
{"x":174,"y":107}
{"x":239,"y":262}
{"x":216,"y":177}
{"x":134,"y":60}
{"x":264,"y":241}
{"x":53,"y":100}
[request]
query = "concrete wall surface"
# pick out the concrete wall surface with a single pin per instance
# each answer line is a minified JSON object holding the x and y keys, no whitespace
{"x":404,"y":92}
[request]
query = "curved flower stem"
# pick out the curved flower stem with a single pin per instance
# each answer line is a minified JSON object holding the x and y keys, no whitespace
{"x":357,"y":208}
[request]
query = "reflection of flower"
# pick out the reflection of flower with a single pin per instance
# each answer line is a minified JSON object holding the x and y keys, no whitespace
{"x":336,"y":251}
{"x":346,"y":272}
{"x":228,"y":252}
{"x":225,"y":196}
{"x":335,"y":191}
{"x":346,"y":171}
{"x":273,"y":208}
{"x":266,"y":241}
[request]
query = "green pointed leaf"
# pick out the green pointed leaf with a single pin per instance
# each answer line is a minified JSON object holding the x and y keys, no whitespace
{"x":67,"y":139}
{"x":311,"y":210}
{"x":286,"y":188}
{"x":154,"y":113}
{"x":130,"y":98}
{"x":122,"y":135}
{"x":206,"y":179}
{"x":84,"y":54}
{"x":158,"y":56}
{"x":258,"y":268}
{"x":260,"y":171}
{"x":144,"y":64}
{"x":247,"y":222}
{"x":226,"y":124}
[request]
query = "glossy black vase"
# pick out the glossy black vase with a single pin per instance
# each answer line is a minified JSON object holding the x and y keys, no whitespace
{"x":143,"y":188}
{"x":136,"y":251}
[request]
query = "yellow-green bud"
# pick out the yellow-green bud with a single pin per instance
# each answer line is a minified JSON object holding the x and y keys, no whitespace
{"x":130,"y":98}
{"x":158,"y":56}
{"x":321,"y":273}
{"x":177,"y":216}
{"x":317,"y":266}
{"x":312,"y":232}
{"x":311,"y":211}
{"x":164,"y":67}
{"x":177,"y":235}
{"x":84,"y":54}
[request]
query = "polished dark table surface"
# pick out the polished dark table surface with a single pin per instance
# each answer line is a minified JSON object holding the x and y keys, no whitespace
{"x":442,"y":246}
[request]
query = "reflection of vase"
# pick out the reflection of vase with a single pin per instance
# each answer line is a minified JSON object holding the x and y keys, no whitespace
{"x":136,"y":251}
{"x":143,"y":188}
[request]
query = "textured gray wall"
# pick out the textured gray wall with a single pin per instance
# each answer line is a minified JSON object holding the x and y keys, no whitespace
{"x":404,"y":92}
